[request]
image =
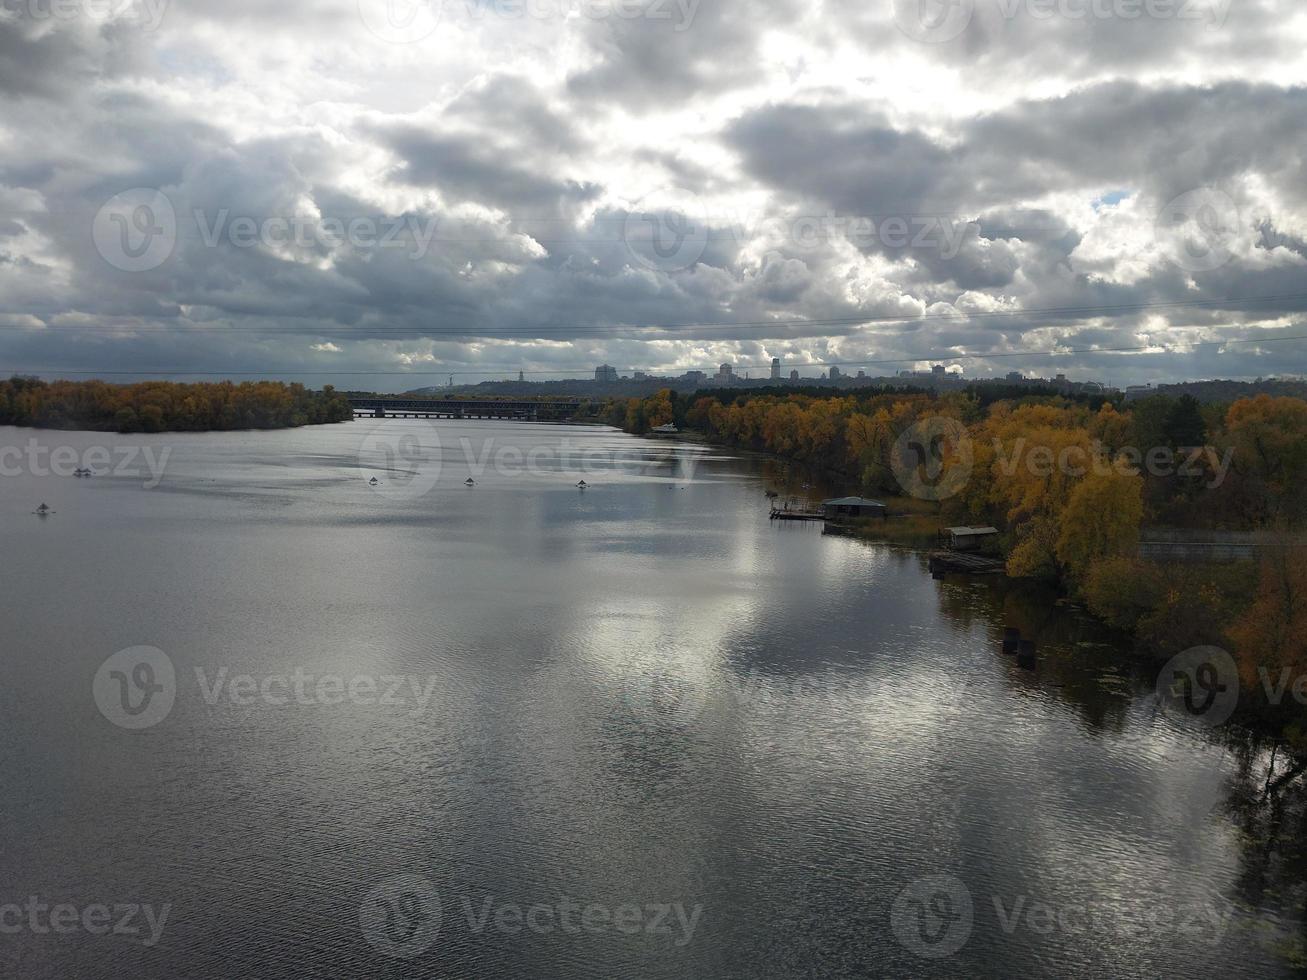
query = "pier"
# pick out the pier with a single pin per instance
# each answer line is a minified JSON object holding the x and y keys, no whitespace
{"x":968,"y":563}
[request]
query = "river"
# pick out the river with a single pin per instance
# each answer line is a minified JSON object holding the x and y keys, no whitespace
{"x":309,"y":726}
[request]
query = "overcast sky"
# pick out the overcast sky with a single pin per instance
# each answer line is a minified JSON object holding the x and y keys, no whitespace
{"x":315,"y":189}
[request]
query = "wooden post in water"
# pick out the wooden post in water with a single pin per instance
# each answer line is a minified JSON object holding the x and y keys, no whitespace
{"x":1011,"y":640}
{"x":1026,"y":659}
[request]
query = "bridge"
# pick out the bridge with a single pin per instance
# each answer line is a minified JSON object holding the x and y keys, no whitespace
{"x":494,"y":408}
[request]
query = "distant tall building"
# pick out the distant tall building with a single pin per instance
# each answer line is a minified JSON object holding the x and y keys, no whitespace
{"x":605,"y":372}
{"x":1015,"y":376}
{"x":695,"y":377}
{"x":861,"y":373}
{"x":521,"y":375}
{"x":835,"y":374}
{"x":939,"y":372}
{"x":794,"y":375}
{"x":726,"y":375}
{"x":775,"y":368}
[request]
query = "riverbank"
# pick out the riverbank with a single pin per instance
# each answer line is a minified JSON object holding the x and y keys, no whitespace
{"x":165,"y":406}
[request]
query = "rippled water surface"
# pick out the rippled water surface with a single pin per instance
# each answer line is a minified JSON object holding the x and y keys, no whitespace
{"x":633,"y":731}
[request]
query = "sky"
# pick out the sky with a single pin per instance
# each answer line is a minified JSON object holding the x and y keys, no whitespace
{"x":379,"y":194}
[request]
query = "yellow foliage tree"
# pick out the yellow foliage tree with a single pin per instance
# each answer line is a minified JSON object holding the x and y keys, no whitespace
{"x":1100,"y":520}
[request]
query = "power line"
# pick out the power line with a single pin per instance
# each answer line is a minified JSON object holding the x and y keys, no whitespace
{"x":540,"y":331}
{"x":494,"y":369}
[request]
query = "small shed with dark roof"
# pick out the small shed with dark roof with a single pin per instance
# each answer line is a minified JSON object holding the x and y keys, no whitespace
{"x":853,"y":507}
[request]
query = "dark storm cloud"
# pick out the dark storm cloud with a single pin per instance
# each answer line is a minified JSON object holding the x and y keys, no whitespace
{"x":1113,"y":135}
{"x":474,"y":169}
{"x":699,"y":47}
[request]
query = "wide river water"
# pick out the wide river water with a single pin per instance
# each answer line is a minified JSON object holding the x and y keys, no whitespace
{"x":311,"y":727}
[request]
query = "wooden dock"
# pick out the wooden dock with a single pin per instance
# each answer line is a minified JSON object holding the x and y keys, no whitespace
{"x":969,"y":564}
{"x":797,"y":515}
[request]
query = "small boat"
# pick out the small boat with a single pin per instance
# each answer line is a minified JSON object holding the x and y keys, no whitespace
{"x":374,"y":482}
{"x":81,"y":471}
{"x":43,"y":511}
{"x":470,"y":482}
{"x":583,"y":485}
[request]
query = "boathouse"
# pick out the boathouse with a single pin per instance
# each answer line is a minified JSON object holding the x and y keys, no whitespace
{"x":969,"y":538}
{"x":852,"y":507}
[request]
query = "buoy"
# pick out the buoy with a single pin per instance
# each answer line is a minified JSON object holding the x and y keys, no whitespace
{"x":42,"y":511}
{"x":471,"y":482}
{"x":1026,"y":658}
{"x":1011,"y":641}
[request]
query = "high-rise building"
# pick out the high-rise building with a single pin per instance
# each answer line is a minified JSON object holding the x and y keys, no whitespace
{"x":605,"y":372}
{"x":794,"y":375}
{"x":861,"y":373}
{"x":726,"y":375}
{"x":835,"y":374}
{"x":939,"y":372}
{"x":775,"y":368}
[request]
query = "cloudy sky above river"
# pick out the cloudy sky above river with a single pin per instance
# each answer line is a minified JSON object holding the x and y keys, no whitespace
{"x":377,"y":193}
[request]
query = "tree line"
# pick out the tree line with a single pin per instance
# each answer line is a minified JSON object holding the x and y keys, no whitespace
{"x":163,"y":406}
{"x":1071,"y":482}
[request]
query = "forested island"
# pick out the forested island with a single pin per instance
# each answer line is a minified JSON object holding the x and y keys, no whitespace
{"x":163,"y":406}
{"x":1071,"y":483}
